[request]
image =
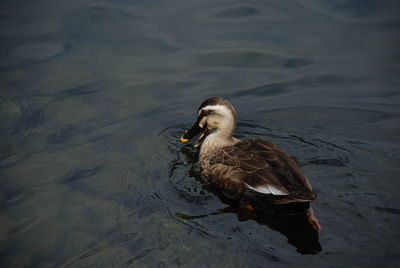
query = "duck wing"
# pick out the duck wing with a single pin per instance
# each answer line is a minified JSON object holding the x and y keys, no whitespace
{"x":257,"y":167}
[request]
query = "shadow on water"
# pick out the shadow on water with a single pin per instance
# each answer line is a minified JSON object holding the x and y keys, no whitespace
{"x":295,"y":227}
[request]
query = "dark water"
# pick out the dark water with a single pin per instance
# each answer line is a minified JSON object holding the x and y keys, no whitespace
{"x":95,"y":94}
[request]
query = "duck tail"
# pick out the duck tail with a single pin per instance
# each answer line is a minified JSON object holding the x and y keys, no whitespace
{"x":294,"y":204}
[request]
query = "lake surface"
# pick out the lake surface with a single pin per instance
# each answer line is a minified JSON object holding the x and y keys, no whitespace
{"x":94,"y":96}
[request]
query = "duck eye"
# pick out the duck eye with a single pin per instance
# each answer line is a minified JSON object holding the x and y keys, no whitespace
{"x":206,"y":112}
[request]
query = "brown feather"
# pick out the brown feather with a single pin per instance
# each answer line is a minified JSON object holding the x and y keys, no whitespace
{"x":258,"y":163}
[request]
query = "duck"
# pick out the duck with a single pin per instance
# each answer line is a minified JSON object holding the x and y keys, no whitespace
{"x":256,"y":172}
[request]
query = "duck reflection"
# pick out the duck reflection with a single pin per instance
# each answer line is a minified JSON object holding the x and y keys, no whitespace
{"x":295,"y":226}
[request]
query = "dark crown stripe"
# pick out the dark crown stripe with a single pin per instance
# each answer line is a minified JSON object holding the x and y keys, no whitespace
{"x":212,"y":101}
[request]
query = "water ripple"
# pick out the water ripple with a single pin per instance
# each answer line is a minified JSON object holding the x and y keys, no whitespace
{"x":249,"y":59}
{"x":21,"y":121}
{"x":307,"y":83}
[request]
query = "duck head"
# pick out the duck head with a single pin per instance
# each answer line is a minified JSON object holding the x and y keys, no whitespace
{"x":215,"y":115}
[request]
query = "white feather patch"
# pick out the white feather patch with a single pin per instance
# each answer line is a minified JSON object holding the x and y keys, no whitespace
{"x":267,"y":189}
{"x":219,"y":108}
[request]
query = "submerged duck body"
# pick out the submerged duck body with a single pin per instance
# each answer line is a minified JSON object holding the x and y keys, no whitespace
{"x":254,"y":170}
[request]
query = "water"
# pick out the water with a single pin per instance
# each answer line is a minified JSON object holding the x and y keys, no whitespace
{"x":95,"y":94}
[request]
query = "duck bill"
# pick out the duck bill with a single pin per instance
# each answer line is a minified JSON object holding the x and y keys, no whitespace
{"x":202,"y":137}
{"x":194,"y":131}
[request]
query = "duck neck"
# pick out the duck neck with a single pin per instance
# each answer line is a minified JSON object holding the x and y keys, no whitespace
{"x":218,"y":139}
